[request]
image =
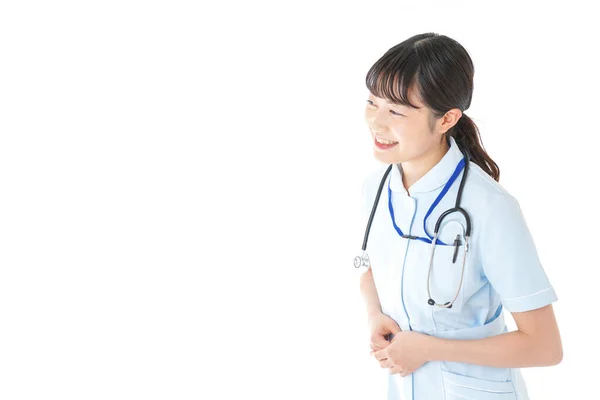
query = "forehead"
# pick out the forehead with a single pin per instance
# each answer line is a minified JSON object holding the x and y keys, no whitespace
{"x":412,"y":98}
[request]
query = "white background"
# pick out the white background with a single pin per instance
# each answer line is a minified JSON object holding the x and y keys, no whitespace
{"x":180,"y":188}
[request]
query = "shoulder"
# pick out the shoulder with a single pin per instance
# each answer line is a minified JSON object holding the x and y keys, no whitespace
{"x":483,"y":190}
{"x":496,"y":212}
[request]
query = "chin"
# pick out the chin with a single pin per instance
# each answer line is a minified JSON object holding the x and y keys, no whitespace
{"x":388,"y":158}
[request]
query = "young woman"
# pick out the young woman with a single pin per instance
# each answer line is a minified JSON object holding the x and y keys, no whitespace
{"x":435,"y":290}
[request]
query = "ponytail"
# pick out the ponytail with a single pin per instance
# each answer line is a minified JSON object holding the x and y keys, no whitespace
{"x":467,"y":137}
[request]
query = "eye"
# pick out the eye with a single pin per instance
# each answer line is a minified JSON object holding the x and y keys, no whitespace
{"x":391,"y":111}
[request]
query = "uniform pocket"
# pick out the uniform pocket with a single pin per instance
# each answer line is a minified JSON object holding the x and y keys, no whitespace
{"x":445,"y":284}
{"x":445,"y":278}
{"x":460,"y":387}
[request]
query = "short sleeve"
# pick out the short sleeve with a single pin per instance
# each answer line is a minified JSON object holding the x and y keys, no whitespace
{"x":509,"y":257}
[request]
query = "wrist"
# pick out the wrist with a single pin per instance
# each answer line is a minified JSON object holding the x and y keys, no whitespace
{"x":434,"y":348}
{"x":373,"y":312}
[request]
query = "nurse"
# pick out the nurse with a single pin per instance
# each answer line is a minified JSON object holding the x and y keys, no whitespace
{"x":418,"y":93}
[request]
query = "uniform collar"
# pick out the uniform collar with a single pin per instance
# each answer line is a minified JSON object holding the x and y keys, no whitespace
{"x":435,"y":178}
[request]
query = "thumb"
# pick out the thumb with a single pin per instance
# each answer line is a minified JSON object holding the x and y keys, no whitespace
{"x":393,"y":327}
{"x":379,"y":342}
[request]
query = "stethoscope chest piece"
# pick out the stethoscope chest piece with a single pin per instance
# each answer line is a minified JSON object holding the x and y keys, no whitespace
{"x":362,"y":260}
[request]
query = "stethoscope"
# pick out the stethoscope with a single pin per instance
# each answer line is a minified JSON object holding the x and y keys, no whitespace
{"x":364,"y":261}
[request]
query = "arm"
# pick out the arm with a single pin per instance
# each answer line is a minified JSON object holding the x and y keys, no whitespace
{"x":369,"y":293}
{"x":536,"y":343}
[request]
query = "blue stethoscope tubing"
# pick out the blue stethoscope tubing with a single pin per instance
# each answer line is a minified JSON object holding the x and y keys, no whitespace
{"x":363,"y":260}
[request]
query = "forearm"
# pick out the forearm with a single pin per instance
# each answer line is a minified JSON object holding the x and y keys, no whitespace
{"x":508,"y":350}
{"x":369,"y":293}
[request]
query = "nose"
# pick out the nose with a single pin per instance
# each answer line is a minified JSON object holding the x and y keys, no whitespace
{"x":377,"y":121}
{"x":378,"y":129}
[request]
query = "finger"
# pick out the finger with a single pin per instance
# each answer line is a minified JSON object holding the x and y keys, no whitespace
{"x":392,"y":326}
{"x":378,"y":340}
{"x":380,"y":355}
{"x":378,"y":346}
{"x":373,"y":353}
{"x":385,"y":363}
{"x":395,"y":369}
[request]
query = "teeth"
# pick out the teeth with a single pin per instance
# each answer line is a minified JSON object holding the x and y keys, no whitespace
{"x":384,"y":141}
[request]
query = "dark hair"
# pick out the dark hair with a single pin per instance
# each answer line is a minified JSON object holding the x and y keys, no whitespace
{"x":441,"y":73}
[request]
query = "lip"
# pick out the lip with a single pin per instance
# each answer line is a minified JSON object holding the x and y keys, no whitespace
{"x":383,"y":146}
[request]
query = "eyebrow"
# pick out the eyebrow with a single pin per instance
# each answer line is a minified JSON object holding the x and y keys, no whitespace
{"x":402,"y":105}
{"x":397,"y":104}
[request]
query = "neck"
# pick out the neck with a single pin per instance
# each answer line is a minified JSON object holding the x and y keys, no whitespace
{"x":414,"y":170}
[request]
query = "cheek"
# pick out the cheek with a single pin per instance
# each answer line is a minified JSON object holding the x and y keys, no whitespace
{"x":403,"y":134}
{"x":368,"y":114}
{"x":409,"y":132}
{"x":408,"y":142}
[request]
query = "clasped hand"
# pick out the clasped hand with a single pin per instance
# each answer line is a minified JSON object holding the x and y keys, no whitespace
{"x":405,"y":353}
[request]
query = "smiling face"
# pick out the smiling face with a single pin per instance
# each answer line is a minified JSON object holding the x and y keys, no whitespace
{"x":414,"y":130}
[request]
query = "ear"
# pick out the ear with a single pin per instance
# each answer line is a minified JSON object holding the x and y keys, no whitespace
{"x":449,"y":120}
